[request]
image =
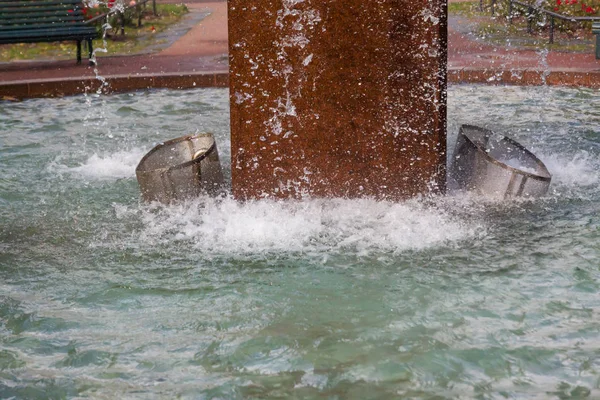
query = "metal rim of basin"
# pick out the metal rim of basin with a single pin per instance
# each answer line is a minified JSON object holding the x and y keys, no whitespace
{"x":512,"y":142}
{"x":194,"y":160}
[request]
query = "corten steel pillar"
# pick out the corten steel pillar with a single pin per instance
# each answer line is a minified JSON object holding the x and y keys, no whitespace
{"x":341,"y":98}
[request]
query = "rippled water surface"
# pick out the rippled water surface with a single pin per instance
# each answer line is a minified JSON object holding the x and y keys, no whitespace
{"x":456,"y":297}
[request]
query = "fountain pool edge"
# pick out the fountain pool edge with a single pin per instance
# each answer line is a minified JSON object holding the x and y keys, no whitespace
{"x":526,"y":77}
{"x":25,"y":89}
{"x":35,"y":88}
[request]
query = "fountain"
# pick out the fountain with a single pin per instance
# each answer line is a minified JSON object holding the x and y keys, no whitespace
{"x":464,"y":296}
{"x":104,"y":296}
{"x":313,"y":116}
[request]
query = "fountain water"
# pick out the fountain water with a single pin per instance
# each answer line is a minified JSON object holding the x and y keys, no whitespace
{"x":104,"y":296}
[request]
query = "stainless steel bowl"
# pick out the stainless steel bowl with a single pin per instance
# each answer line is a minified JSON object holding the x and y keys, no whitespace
{"x":495,"y":165}
{"x":180,"y":169}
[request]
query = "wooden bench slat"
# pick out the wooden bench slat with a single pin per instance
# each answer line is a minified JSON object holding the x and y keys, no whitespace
{"x":20,"y":4}
{"x":33,"y":17}
{"x":38,"y":12}
{"x":65,"y":38}
{"x":41,"y":5}
{"x":51,"y":35}
{"x":45,"y":19}
{"x":53,"y":14}
{"x":16,"y":28}
{"x":38,"y":39}
{"x":49,"y":31}
{"x":34,"y":10}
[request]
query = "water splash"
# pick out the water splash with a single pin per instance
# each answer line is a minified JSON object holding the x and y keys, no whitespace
{"x":297,"y":18}
{"x":579,"y":170}
{"x":101,"y":296}
{"x":362,"y":227}
{"x":543,"y":63}
{"x":114,"y":7}
{"x":113,"y":166}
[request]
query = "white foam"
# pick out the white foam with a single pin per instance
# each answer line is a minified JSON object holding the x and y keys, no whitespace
{"x":578,"y":170}
{"x":117,"y":165}
{"x":308,"y":226}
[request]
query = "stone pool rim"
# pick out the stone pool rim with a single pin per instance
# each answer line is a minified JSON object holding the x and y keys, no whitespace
{"x":25,"y":89}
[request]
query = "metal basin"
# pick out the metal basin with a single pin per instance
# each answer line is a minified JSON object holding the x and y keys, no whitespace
{"x":180,"y":169}
{"x":495,"y":165}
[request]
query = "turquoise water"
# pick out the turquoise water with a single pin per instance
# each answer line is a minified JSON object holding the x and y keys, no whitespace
{"x":456,"y":297}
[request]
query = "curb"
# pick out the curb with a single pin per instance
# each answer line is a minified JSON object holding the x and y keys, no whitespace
{"x":220,"y":79}
{"x":525,"y":77}
{"x":113,"y":84}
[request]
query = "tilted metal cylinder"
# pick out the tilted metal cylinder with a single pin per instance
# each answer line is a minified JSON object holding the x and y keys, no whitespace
{"x":180,"y":169}
{"x":496,"y":166}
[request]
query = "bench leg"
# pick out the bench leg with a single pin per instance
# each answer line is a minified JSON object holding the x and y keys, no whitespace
{"x":79,"y":52}
{"x":91,"y":51}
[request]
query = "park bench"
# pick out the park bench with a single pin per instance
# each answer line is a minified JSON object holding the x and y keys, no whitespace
{"x":596,"y":31}
{"x":35,"y":21}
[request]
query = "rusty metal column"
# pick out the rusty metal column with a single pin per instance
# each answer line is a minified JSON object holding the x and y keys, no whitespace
{"x":337,"y":98}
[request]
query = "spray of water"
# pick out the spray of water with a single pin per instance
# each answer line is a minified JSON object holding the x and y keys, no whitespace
{"x":360,"y":227}
{"x":115,"y":8}
{"x":312,"y":227}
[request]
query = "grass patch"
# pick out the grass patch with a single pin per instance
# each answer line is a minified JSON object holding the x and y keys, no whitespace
{"x":464,"y":8}
{"x":135,"y":40}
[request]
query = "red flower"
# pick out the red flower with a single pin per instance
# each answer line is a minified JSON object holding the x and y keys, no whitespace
{"x":558,"y":2}
{"x":555,"y":8}
{"x":589,"y":10}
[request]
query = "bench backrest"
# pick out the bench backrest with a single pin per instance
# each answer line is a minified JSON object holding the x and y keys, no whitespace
{"x":40,"y":14}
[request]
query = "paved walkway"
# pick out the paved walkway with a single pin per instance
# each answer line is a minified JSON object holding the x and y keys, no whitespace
{"x":208,"y":54}
{"x":199,"y":58}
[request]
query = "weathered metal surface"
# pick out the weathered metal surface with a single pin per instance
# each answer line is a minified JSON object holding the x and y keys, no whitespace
{"x":496,"y":166}
{"x":180,"y":169}
{"x":337,"y":98}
